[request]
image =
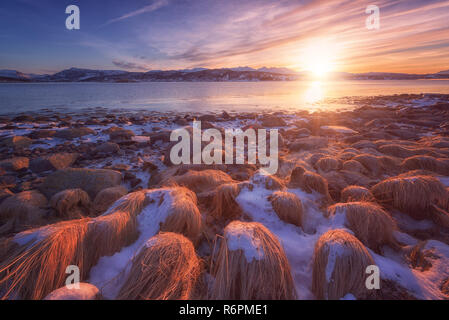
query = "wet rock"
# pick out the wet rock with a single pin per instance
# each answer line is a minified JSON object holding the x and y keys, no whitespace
{"x":72,"y":133}
{"x":42,"y":134}
{"x":53,"y":162}
{"x":163,"y":136}
{"x":23,"y":118}
{"x":149,"y":166}
{"x":337,"y":130}
{"x":208,"y":117}
{"x":16,"y":142}
{"x":119,"y":134}
{"x":272,"y":121}
{"x":107,"y":148}
{"x":8,"y":181}
{"x":309,"y":143}
{"x":90,"y":180}
{"x":15,"y":164}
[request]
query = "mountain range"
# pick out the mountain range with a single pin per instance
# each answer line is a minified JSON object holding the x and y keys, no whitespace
{"x":201,"y":74}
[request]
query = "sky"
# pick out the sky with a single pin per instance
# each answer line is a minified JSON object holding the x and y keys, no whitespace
{"x":142,"y":35}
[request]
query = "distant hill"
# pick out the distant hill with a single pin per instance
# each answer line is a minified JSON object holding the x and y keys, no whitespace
{"x":201,"y":74}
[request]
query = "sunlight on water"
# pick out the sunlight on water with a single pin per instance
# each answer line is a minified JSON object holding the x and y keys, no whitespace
{"x":314,"y":93}
{"x":204,"y":96}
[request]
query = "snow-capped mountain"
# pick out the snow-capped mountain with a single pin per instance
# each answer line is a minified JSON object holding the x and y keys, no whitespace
{"x":14,"y":75}
{"x":201,"y":74}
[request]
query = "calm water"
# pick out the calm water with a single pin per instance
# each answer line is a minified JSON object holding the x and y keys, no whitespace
{"x":202,"y":96}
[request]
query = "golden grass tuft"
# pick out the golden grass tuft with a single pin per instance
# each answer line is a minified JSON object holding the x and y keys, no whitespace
{"x":356,"y":193}
{"x":224,"y":204}
{"x":22,"y":210}
{"x":414,"y":195}
{"x":370,"y":223}
{"x":251,"y":265}
{"x":378,"y":164}
{"x":401,"y":151}
{"x":353,"y":165}
{"x":71,"y":204}
{"x":184,"y":216}
{"x":166,"y":268}
{"x":200,"y":181}
{"x":287,"y":206}
{"x":37,"y":258}
{"x":36,"y":267}
{"x":309,"y":182}
{"x":106,"y":197}
{"x":426,"y":163}
{"x":270,"y":182}
{"x":328,"y":164}
{"x":339,"y":266}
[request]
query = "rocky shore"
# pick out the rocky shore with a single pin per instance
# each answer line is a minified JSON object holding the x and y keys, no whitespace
{"x":63,"y":166}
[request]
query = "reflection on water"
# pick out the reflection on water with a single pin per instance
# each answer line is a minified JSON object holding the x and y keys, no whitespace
{"x":314,"y":93}
{"x":204,"y":96}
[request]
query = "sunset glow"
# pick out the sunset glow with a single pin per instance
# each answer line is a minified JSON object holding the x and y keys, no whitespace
{"x":301,"y":35}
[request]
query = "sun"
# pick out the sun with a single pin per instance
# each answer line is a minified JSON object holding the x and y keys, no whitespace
{"x":319,"y":58}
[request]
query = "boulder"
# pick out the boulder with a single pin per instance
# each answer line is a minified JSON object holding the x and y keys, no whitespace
{"x":16,"y":142}
{"x":118,"y":134}
{"x":107,"y":148}
{"x":272,"y":121}
{"x":309,"y":143}
{"x":53,"y":162}
{"x":22,"y":210}
{"x":72,"y":133}
{"x":42,"y":134}
{"x":90,"y":180}
{"x":15,"y":164}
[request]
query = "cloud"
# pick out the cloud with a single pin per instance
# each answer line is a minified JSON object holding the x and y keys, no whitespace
{"x":129,"y":65}
{"x":149,"y":8}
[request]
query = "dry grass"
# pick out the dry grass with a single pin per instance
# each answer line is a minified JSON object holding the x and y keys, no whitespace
{"x":36,"y":259}
{"x":200,"y":181}
{"x":353,"y":165}
{"x":396,"y":150}
{"x":265,"y":276}
{"x":288,"y":207}
{"x":378,"y":164}
{"x":106,"y":197}
{"x":328,"y":164}
{"x":224,"y":204}
{"x":356,"y":193}
{"x":339,"y":265}
{"x":71,"y":204}
{"x":426,"y":163}
{"x":270,"y":182}
{"x":34,"y":269}
{"x":309,"y":182}
{"x":184,"y":216}
{"x":21,"y":211}
{"x":414,"y":195}
{"x":370,"y":223}
{"x":166,"y":268}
